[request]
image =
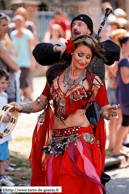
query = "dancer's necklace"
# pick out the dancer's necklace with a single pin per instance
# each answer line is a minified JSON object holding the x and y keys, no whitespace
{"x":70,"y":82}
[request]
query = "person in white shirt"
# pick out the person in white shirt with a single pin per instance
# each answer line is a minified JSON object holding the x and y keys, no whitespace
{"x":4,"y":150}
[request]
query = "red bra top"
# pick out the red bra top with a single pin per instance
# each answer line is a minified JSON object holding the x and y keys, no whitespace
{"x":67,"y":103}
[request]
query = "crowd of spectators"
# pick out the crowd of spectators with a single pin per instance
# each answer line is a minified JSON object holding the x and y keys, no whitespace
{"x":116,"y":29}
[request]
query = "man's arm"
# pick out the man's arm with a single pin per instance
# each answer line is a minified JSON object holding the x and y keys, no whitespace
{"x":45,"y":54}
{"x":111,"y":51}
{"x":48,"y":54}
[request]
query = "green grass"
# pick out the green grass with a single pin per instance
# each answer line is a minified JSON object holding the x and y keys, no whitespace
{"x":21,"y":164}
{"x":23,"y":139}
{"x":109,"y":152}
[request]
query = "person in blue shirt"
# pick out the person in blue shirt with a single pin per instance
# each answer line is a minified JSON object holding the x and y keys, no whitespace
{"x":22,"y":40}
{"x":123,"y":96}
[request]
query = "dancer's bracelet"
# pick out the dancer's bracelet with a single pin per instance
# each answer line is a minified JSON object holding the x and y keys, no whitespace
{"x":43,"y":106}
{"x":27,"y":108}
{"x":103,"y":116}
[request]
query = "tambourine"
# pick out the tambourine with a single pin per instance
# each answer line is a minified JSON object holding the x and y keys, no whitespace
{"x":12,"y":121}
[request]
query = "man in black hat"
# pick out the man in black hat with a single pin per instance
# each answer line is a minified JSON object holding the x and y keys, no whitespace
{"x":82,"y":24}
{"x":48,"y":54}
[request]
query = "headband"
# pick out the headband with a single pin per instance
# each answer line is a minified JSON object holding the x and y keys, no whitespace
{"x":70,"y":45}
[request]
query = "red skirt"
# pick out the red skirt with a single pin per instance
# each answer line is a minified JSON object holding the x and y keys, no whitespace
{"x":78,"y":169}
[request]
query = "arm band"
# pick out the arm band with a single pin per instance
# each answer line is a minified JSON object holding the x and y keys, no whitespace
{"x":27,"y":108}
{"x":43,"y":106}
{"x":103,"y":116}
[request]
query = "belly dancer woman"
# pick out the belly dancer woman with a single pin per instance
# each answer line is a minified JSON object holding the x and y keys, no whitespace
{"x":71,"y":156}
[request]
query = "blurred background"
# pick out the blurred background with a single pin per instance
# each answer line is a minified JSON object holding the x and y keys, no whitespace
{"x":42,"y":12}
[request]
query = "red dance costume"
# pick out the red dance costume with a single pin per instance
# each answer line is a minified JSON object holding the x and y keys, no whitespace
{"x":74,"y":157}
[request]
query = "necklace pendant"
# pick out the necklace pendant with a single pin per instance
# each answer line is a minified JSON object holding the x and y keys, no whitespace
{"x":64,"y":85}
{"x":81,"y":83}
{"x":71,"y":82}
{"x":62,"y":102}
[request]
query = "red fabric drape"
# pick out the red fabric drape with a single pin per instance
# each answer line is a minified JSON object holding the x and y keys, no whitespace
{"x":101,"y":97}
{"x":40,"y":138}
{"x":100,"y":135}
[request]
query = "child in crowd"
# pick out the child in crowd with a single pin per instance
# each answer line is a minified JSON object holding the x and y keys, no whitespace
{"x":4,"y":151}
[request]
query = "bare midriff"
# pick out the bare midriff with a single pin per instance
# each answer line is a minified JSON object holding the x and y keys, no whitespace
{"x":76,"y":119}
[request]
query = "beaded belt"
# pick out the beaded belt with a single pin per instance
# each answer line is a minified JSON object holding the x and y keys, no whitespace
{"x":65,"y":132}
{"x":60,"y":140}
{"x":57,"y":145}
{"x":62,"y":137}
